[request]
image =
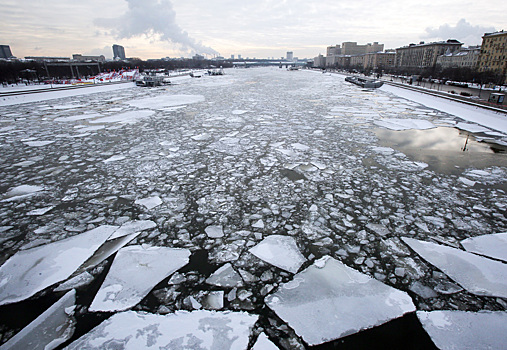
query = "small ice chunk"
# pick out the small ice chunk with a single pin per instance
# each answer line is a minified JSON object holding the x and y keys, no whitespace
{"x":182,"y":330}
{"x":52,"y":328}
{"x":38,"y":143}
{"x":494,"y":245}
{"x":114,"y":158}
{"x":258,"y":224}
{"x":134,"y":272}
{"x":379,"y":229}
{"x":214,"y":300}
{"x":20,"y":192}
{"x":467,"y":181}
{"x":30,"y":271}
{"x":465,"y":330}
{"x":280,"y":251}
{"x":334,"y":301}
{"x":41,"y":211}
{"x":478,"y":275}
{"x":263,"y":343}
{"x":225,"y":276}
{"x":215,"y":231}
{"x":150,"y":202}
{"x":76,"y":282}
{"x":422,"y":290}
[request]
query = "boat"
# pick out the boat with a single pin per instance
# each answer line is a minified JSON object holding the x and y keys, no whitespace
{"x":365,"y":82}
{"x":152,"y":78}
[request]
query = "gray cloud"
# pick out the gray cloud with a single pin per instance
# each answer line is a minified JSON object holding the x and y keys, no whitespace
{"x":152,"y":18}
{"x":463,"y":31}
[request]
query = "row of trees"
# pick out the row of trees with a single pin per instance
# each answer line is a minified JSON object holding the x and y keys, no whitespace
{"x":463,"y":74}
{"x":13,"y":71}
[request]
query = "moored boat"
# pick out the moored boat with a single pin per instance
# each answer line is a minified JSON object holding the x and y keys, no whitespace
{"x":365,"y":82}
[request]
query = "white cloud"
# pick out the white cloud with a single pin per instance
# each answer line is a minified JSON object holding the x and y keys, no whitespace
{"x":462,"y":31}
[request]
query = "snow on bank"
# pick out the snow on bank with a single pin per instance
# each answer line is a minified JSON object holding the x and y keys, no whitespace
{"x":484,"y":117}
{"x":52,"y":95}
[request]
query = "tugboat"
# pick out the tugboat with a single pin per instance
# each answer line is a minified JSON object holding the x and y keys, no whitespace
{"x":365,"y":82}
{"x":153,"y":78}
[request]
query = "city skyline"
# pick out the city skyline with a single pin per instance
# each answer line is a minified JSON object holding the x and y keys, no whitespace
{"x":161,"y":28}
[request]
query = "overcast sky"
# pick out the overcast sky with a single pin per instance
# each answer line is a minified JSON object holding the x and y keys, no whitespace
{"x":258,"y":28}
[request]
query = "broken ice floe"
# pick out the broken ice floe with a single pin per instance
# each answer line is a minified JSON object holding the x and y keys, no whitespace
{"x":20,"y":192}
{"x":134,"y":272}
{"x":133,"y":227}
{"x":51,"y":329}
{"x":215,"y":231}
{"x":225,"y":276}
{"x":129,"y":117}
{"x":465,"y":330}
{"x":41,"y":211}
{"x":494,"y":245}
{"x":166,"y":100}
{"x":404,"y":124}
{"x":280,"y":251}
{"x":330,"y":300}
{"x":106,"y":250}
{"x":149,"y":203}
{"x":181,"y":330}
{"x":478,"y":275}
{"x":263,"y":343}
{"x":30,"y":271}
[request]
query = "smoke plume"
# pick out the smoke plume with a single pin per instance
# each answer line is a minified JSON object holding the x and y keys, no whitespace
{"x":150,"y":18}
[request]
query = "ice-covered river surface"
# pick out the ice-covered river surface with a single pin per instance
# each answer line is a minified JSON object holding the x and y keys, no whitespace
{"x":211,"y":168}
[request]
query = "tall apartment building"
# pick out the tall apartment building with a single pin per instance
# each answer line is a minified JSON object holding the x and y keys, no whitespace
{"x":319,"y":61}
{"x":290,"y":55}
{"x":424,"y":55}
{"x":494,"y":53}
{"x":334,"y":50}
{"x":118,"y":52}
{"x":464,"y":58}
{"x":351,"y":48}
{"x":5,"y":51}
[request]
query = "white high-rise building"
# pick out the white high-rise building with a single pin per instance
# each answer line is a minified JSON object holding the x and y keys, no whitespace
{"x":290,"y":55}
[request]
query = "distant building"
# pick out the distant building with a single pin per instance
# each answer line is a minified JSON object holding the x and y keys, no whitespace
{"x":290,"y":55}
{"x":334,"y":50}
{"x":494,"y":53}
{"x":198,"y":57}
{"x":47,"y":59}
{"x":232,"y":57}
{"x":5,"y":51}
{"x":379,"y":60}
{"x":464,"y":58}
{"x":424,"y":55}
{"x":239,"y":57}
{"x":319,"y":61}
{"x":81,"y":58}
{"x":118,"y":52}
{"x":351,"y":48}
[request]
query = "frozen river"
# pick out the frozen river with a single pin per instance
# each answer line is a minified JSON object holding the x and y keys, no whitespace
{"x":344,"y":181}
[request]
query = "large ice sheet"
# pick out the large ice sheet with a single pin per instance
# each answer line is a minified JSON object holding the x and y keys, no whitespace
{"x":494,"y":246}
{"x":478,"y":275}
{"x":181,"y":330}
{"x":51,"y":329}
{"x":166,"y":100}
{"x":30,"y":271}
{"x":280,"y":251}
{"x":465,"y":330}
{"x":134,"y":272}
{"x":330,"y":300}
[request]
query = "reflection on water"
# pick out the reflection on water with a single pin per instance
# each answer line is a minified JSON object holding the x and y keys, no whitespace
{"x":446,"y":150}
